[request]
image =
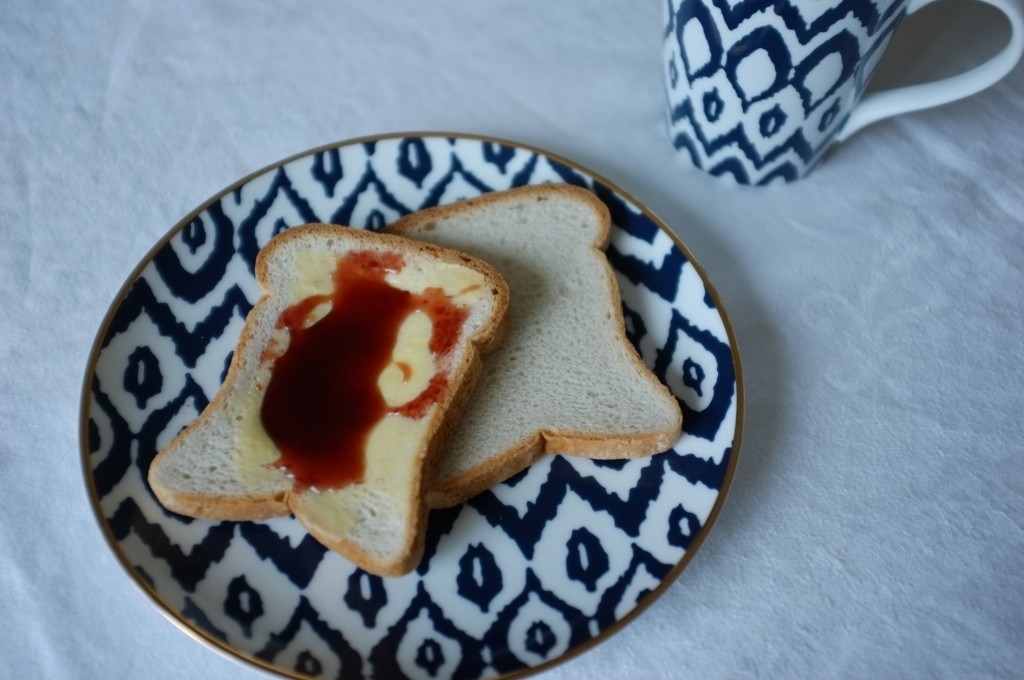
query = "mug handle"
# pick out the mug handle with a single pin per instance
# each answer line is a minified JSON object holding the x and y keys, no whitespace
{"x":887,"y":103}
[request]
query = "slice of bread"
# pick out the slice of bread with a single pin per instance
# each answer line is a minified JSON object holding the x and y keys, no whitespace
{"x":566,"y":379}
{"x":393,"y":326}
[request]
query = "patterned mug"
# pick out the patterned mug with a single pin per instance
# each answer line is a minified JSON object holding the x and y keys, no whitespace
{"x":760,"y":89}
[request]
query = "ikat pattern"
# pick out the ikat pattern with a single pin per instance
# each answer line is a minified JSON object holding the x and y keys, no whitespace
{"x":515,"y":577}
{"x":812,"y":61}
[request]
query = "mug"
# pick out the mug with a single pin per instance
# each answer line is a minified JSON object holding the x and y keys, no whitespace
{"x":760,"y":89}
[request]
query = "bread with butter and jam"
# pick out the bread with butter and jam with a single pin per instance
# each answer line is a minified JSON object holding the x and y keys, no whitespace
{"x":350,"y":373}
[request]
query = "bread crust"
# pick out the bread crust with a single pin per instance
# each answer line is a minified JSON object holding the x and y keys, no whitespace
{"x":589,"y":444}
{"x":282,"y":501}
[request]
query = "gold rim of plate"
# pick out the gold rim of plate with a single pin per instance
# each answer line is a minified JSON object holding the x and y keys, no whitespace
{"x":231,"y":652}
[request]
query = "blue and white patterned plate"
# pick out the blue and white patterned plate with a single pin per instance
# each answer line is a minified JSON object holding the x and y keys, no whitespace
{"x":529,"y":573}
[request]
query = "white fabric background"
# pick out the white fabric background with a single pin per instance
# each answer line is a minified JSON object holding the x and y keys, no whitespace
{"x":874,"y":528}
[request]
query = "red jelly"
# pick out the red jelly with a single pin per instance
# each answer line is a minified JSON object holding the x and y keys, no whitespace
{"x":322,"y":400}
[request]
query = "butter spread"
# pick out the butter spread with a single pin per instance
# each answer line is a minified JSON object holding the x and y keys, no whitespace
{"x":412,"y":370}
{"x":412,"y":363}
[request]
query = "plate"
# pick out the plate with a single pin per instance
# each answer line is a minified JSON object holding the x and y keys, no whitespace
{"x":584,"y":546}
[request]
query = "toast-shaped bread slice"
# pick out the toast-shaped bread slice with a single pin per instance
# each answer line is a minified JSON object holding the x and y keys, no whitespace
{"x":566,"y":378}
{"x":351,"y":370}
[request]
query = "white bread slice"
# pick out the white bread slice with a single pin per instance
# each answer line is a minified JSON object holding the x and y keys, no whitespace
{"x":225,"y":465}
{"x":566,"y":379}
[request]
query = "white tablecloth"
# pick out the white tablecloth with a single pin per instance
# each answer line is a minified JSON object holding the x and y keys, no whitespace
{"x":874,"y":527}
